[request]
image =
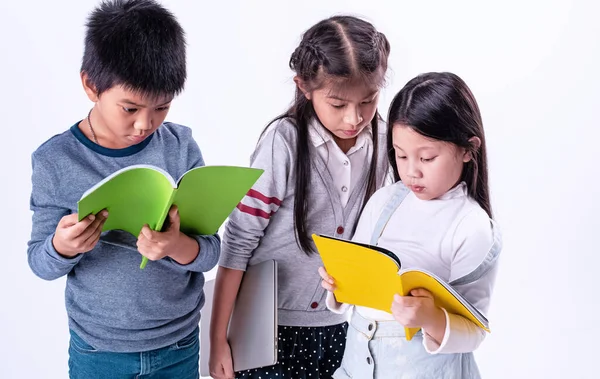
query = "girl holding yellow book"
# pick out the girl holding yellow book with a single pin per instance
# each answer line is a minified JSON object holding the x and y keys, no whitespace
{"x":436,"y":217}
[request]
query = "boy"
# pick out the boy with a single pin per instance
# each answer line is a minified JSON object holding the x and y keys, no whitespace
{"x":124,"y":322}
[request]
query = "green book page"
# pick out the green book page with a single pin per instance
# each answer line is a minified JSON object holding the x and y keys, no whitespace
{"x":207,"y":195}
{"x":134,"y":196}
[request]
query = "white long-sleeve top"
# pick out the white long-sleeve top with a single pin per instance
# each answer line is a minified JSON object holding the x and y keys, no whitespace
{"x":451,"y":237}
{"x":345,"y":168}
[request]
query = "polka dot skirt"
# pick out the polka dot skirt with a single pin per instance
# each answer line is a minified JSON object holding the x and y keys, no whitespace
{"x":304,"y":353}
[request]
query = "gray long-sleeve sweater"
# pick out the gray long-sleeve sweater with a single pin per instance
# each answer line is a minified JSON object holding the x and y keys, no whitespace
{"x":111,"y":303}
{"x":262,"y":226}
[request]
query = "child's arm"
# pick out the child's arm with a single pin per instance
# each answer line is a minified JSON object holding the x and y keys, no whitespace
{"x":243,"y":232}
{"x":57,"y":237}
{"x":248,"y":223}
{"x":476,"y":245}
{"x":227,"y":286}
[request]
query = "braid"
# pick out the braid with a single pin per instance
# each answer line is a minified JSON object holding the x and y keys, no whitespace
{"x":307,"y":59}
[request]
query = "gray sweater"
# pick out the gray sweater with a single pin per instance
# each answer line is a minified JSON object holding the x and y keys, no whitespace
{"x":262,"y":227}
{"x":111,"y":303}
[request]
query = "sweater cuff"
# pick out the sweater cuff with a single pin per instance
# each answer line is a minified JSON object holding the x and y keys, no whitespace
{"x":209,"y":248}
{"x":431,"y":345}
{"x":461,"y":336}
{"x":56,"y":257}
{"x":333,"y":305}
{"x":232,"y":261}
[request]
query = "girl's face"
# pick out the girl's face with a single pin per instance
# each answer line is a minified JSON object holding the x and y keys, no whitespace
{"x":344,"y":113}
{"x":428,"y":167}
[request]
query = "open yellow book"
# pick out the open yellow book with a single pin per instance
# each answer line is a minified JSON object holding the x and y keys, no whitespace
{"x":370,"y":276}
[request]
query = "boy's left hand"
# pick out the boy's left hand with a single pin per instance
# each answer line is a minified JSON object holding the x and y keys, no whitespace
{"x":172,"y":242}
{"x":417,"y":310}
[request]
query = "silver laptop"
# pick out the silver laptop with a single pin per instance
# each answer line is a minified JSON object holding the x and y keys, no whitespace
{"x":252,"y":329}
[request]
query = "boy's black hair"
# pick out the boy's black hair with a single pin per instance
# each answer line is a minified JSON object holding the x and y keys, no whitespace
{"x":137,"y":44}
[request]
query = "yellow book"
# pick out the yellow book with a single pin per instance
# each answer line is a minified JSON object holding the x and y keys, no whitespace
{"x":370,"y":276}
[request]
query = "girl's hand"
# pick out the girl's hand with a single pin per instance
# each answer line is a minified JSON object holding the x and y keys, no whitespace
{"x":220,"y":362}
{"x":418,"y":310}
{"x":328,"y":282}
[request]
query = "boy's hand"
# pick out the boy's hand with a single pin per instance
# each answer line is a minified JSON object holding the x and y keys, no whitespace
{"x":328,"y":282}
{"x":74,"y":237}
{"x":172,"y":242}
{"x":418,"y":310}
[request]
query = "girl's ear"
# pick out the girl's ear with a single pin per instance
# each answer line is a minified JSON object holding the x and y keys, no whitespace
{"x":476,"y":144}
{"x":302,"y":86}
{"x":89,"y":87}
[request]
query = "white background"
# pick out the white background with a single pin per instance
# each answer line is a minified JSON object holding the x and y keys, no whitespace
{"x":533,"y":67}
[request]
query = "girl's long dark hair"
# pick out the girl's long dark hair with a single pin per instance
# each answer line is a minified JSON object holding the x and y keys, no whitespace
{"x":442,"y":107}
{"x":340,"y":49}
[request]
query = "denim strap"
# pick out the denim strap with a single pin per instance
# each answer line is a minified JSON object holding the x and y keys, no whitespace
{"x":388,"y":210}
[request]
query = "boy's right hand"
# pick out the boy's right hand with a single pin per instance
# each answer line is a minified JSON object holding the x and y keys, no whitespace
{"x":328,"y":282}
{"x":220,"y":363}
{"x":74,"y":237}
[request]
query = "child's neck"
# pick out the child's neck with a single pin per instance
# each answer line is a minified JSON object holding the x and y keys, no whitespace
{"x":99,"y":138}
{"x":345,"y":144}
{"x":85,"y":129}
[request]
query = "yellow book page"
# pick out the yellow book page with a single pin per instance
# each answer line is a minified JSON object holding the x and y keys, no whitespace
{"x":443,"y":298}
{"x":369,"y":278}
{"x":362,"y":276}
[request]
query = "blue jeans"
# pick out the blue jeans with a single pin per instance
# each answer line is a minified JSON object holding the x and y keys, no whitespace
{"x":179,"y":360}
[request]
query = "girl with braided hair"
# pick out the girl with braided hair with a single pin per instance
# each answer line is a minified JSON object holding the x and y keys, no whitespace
{"x":322,"y":160}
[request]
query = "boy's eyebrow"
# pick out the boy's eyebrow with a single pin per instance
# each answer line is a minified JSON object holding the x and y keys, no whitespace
{"x":342,"y":99}
{"x":126,"y":101}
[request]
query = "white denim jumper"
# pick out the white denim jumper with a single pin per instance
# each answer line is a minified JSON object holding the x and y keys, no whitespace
{"x":379,"y":349}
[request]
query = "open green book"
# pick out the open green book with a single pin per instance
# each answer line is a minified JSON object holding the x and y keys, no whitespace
{"x":143,"y":194}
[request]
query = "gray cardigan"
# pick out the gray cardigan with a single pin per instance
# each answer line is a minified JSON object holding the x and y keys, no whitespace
{"x":262,"y":226}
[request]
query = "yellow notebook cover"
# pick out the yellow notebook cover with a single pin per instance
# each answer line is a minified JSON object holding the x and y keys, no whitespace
{"x":370,"y":276}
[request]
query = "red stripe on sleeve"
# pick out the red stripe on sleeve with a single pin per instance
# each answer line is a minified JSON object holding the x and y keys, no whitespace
{"x":254,"y":212}
{"x":267,"y":200}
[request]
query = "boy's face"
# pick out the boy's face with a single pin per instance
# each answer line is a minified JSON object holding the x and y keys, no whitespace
{"x":124,"y":118}
{"x":430,"y":168}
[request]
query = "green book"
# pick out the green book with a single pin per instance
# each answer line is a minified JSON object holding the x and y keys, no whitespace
{"x":141,"y":194}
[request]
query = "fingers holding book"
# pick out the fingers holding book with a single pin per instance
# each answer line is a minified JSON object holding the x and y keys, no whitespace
{"x":171,"y":242}
{"x":418,"y":310}
{"x":156,"y":245}
{"x":328,"y":282}
{"x":73,"y":237}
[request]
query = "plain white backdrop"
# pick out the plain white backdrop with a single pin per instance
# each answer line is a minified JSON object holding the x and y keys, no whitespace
{"x":533,"y":66}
